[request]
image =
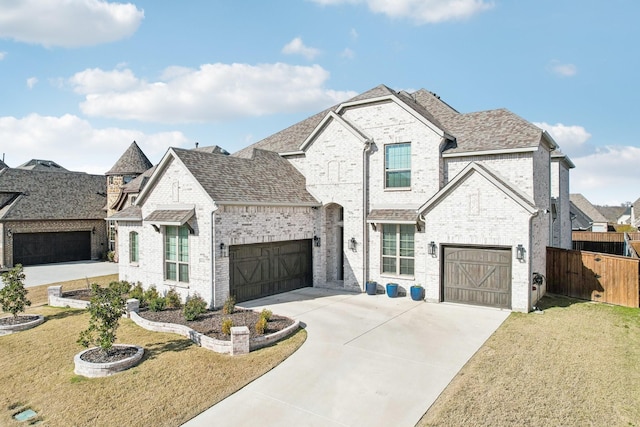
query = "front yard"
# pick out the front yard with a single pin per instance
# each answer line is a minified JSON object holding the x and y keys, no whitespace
{"x":175,"y":381}
{"x":576,"y":364}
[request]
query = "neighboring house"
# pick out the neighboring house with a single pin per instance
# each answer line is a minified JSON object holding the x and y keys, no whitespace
{"x":560,"y":205}
{"x":622,"y":215}
{"x":388,"y":187}
{"x":585,"y":216}
{"x":48,"y":214}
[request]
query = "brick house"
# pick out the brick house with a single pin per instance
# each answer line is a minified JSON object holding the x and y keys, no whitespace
{"x":387,"y":187}
{"x":49,"y":214}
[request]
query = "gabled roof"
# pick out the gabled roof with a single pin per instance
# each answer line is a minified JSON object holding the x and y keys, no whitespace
{"x":132,"y":162}
{"x":492,"y":176}
{"x":612,"y":213}
{"x":42,"y":165}
{"x":585,"y":206}
{"x":214,"y":149}
{"x":264,"y":179}
{"x":38,"y":195}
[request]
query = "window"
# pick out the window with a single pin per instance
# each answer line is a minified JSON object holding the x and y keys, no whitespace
{"x":133,"y":247}
{"x":112,"y":235}
{"x":397,"y":165}
{"x":176,"y":253}
{"x":397,"y":249}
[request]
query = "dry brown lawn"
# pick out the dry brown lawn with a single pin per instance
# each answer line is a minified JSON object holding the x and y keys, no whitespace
{"x":577,"y":364}
{"x":38,"y":294}
{"x":175,"y":381}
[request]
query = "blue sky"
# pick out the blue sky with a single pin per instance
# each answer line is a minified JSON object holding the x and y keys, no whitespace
{"x":81,"y":79}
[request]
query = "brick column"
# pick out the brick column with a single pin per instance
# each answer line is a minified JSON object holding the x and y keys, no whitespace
{"x":54,"y":291}
{"x":239,"y":340}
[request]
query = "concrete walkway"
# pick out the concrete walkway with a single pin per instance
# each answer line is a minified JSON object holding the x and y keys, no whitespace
{"x":368,"y":361}
{"x":45,"y":274}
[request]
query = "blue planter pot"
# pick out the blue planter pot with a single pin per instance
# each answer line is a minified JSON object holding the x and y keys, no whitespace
{"x":372,"y":288}
{"x":417,"y":293}
{"x":392,"y":290}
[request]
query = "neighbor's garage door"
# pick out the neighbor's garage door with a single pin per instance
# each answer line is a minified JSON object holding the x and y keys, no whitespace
{"x":46,"y":248}
{"x":480,"y":276}
{"x":265,"y":269}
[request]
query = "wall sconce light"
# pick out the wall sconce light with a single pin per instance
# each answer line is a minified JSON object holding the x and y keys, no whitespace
{"x":352,"y":244}
{"x":433,"y":248}
{"x":224,"y":250}
{"x":316,"y":241}
{"x":9,"y":232}
{"x":520,"y":251}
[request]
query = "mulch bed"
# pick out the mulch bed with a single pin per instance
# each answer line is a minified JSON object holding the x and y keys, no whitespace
{"x":8,"y":321}
{"x":81,"y":294}
{"x":210,"y":323}
{"x":114,"y":354}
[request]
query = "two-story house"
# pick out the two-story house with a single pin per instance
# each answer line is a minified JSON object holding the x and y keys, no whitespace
{"x":389,"y":187}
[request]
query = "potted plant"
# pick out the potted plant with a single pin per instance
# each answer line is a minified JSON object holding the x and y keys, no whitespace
{"x":417,"y":292}
{"x":372,"y":287}
{"x":392,"y":290}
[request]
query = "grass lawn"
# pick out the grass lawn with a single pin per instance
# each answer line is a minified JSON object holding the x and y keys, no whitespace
{"x":175,"y":381}
{"x":576,"y":364}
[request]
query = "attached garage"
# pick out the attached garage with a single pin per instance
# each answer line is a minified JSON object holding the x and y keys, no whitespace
{"x":264,"y":269}
{"x":477,"y":275}
{"x":46,"y":248}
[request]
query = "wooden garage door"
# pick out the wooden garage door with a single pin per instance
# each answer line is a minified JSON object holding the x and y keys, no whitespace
{"x":46,"y":248}
{"x":269,"y":268}
{"x":479,"y":276}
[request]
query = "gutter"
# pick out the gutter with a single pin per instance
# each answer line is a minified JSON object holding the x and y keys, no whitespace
{"x":365,"y":203}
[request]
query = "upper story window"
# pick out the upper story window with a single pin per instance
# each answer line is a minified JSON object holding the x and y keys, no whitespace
{"x":398,"y":257}
{"x":397,"y":165}
{"x":133,"y":247}
{"x":176,"y":253}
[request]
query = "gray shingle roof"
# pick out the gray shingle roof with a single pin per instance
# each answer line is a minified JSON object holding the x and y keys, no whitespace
{"x":393,"y":215}
{"x":131,"y":213}
{"x":42,"y":165}
{"x":264,"y":178}
{"x":38,"y":195}
{"x":581,"y":202}
{"x":3,"y":165}
{"x":132,"y":162}
{"x":480,"y":131}
{"x":170,"y":216}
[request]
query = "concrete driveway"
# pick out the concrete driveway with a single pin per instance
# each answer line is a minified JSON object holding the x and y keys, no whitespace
{"x":368,"y":360}
{"x":60,"y":272}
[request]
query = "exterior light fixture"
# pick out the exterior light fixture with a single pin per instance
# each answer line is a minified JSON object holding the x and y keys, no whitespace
{"x":316,"y":241}
{"x":520,"y":251}
{"x":432,"y":248}
{"x":9,"y":232}
{"x":224,"y":250}
{"x":353,"y":244}
{"x":93,"y":230}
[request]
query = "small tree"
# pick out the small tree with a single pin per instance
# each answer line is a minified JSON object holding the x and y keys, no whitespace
{"x":13,"y":296}
{"x":106,"y":307}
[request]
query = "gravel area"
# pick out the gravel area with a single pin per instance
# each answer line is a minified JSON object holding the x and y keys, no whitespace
{"x":210,"y":323}
{"x":23,"y":318}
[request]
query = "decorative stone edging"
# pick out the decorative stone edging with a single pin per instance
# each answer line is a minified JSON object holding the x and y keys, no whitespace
{"x":57,"y":300}
{"x":219,"y":346}
{"x":9,"y":329}
{"x":95,"y":370}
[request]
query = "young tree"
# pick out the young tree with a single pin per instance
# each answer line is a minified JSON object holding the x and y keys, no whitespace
{"x":106,"y":307}
{"x":13,"y":296}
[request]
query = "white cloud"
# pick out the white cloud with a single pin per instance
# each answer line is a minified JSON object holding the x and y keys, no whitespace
{"x":31,"y":82}
{"x":563,"y":70}
{"x":348,"y":53}
{"x":212,"y":92}
{"x":421,"y":11}
{"x":67,"y":140}
{"x":3,"y":55}
{"x":571,"y":139}
{"x":297,"y":47}
{"x":354,"y":34}
{"x":68,"y":23}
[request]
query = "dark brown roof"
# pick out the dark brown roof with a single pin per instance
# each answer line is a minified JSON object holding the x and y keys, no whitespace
{"x":393,"y":215}
{"x":264,"y":178}
{"x":132,"y":162}
{"x":42,"y":165}
{"x":170,"y":216}
{"x":38,"y":195}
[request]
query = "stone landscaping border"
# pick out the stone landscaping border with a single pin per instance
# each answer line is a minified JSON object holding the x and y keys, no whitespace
{"x":96,"y":370}
{"x":57,"y":300}
{"x":239,"y":343}
{"x":9,"y":329}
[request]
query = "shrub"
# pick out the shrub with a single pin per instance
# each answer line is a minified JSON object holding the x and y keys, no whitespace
{"x":173,"y":299}
{"x":229,"y":305}
{"x":261,"y":325}
{"x":227,"y":324}
{"x":111,"y":256}
{"x":157,"y":304}
{"x":106,"y":308}
{"x":13,"y":296}
{"x":194,"y":307}
{"x":138,"y":293}
{"x":150,"y":294}
{"x":265,"y":314}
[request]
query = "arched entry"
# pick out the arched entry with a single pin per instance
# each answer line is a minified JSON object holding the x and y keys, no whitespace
{"x":334,"y":226}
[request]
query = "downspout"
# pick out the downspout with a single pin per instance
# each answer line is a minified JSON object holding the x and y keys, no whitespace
{"x":213,"y":255}
{"x":365,"y":204}
{"x":530,"y":306}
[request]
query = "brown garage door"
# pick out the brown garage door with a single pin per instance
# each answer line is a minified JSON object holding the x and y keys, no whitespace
{"x":269,"y":268}
{"x":479,"y":276}
{"x":46,"y":248}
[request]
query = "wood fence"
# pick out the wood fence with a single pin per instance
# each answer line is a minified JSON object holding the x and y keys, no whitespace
{"x":594,"y":276}
{"x":610,"y":243}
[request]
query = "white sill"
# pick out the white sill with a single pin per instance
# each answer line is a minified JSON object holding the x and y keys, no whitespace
{"x":397,"y":189}
{"x":134,"y":264}
{"x":389,"y":276}
{"x":174,"y":284}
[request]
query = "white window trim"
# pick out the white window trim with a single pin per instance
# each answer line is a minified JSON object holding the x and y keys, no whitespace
{"x":397,"y":256}
{"x":384,"y":171}
{"x":176,"y":282}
